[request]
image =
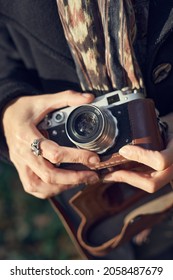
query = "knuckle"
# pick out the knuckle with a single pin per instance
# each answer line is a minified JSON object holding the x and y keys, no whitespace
{"x":44,"y":195}
{"x":78,"y":159}
{"x":120,"y":179}
{"x":48,"y":177}
{"x":12,"y":156}
{"x":77,"y":178}
{"x":138,"y":156}
{"x":160,"y":165}
{"x":20,"y":135}
{"x":56,"y":157}
{"x":30,"y":188}
{"x":15,"y":149}
{"x":160,"y":162}
{"x":68,"y":94}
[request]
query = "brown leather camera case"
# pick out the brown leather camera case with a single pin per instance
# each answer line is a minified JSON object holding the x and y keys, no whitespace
{"x":144,"y":131}
{"x":119,"y":209}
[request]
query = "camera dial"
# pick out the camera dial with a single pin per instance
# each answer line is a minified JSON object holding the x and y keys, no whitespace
{"x":58,"y":117}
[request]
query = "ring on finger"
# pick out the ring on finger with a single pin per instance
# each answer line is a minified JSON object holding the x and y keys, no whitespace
{"x":35,"y":147}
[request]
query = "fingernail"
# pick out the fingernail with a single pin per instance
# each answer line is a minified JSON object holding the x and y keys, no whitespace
{"x":108,"y":178}
{"x":125,"y":151}
{"x":94,"y":160}
{"x":87,"y":95}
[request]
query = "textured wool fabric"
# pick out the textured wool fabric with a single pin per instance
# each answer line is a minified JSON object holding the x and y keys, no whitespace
{"x":101,"y":35}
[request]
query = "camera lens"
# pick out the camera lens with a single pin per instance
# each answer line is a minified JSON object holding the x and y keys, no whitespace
{"x":92,"y":128}
{"x":86,"y":124}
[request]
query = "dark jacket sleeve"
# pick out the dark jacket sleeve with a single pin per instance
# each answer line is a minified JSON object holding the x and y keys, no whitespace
{"x":15,"y":79}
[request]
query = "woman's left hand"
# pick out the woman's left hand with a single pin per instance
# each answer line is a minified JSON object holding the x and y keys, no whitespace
{"x":158,"y":175}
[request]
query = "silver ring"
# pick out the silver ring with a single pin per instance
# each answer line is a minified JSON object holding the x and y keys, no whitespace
{"x":35,"y":147}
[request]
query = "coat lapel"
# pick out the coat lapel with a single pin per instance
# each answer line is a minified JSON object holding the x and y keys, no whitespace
{"x":160,"y":21}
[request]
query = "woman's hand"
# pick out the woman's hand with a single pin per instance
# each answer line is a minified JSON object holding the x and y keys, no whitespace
{"x":39,"y":175}
{"x":161,"y":165}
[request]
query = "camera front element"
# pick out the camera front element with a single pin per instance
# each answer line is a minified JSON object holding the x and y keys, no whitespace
{"x":92,"y":128}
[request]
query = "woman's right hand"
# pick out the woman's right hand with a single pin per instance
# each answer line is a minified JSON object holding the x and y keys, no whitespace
{"x":38,"y":174}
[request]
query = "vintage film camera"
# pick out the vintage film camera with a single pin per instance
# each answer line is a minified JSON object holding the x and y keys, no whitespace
{"x":104,"y":126}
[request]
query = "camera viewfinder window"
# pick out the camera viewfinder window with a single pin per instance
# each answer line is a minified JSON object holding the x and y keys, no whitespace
{"x":113,"y":99}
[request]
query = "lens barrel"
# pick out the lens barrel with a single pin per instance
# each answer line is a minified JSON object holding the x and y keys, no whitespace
{"x":92,"y":128}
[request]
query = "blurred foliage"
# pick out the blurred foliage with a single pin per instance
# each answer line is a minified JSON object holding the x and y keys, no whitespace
{"x":29,"y":228}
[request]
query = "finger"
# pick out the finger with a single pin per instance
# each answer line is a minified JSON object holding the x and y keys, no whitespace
{"x":57,"y":175}
{"x":51,"y":151}
{"x":149,"y":181}
{"x":72,"y":98}
{"x":35,"y":186}
{"x":168,"y":152}
{"x":58,"y":154}
{"x":50,"y":102}
{"x":154,"y":159}
{"x":142,"y":237}
{"x":52,"y":175}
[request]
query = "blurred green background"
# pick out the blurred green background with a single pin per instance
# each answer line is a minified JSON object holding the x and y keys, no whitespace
{"x":29,"y":228}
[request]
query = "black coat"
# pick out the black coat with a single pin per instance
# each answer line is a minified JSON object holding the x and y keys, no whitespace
{"x":35,"y":58}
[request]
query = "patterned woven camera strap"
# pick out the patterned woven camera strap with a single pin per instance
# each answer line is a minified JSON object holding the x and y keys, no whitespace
{"x":101,"y":34}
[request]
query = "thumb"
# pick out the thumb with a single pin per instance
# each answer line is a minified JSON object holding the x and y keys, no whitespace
{"x":49,"y":102}
{"x":154,"y":159}
{"x":64,"y":99}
